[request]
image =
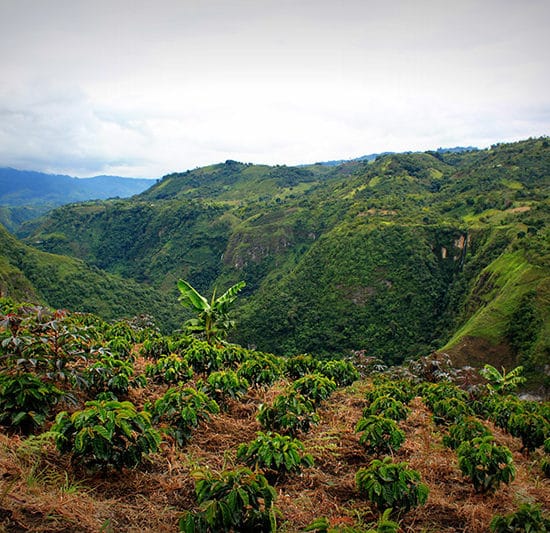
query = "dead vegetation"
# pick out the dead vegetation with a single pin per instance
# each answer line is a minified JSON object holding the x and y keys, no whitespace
{"x":41,"y":491}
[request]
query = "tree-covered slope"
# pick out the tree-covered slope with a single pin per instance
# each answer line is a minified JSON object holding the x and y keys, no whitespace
{"x":390,"y":256}
{"x":27,"y":274}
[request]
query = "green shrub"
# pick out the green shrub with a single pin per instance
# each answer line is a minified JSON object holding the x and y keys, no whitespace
{"x":203,"y":357}
{"x":155,"y":347}
{"x":532,"y":428}
{"x":450,"y":411}
{"x":289,"y":413}
{"x":379,"y":435}
{"x":527,"y":519}
{"x":106,"y":434}
{"x":25,"y":401}
{"x":315,"y":387}
{"x":261,"y":369}
{"x":300,"y":365}
{"x":233,"y":500}
{"x":232,"y":355}
{"x":502,"y":408}
{"x":343,"y":373}
{"x":387,"y":407}
{"x":109,"y":374}
{"x":401,"y":391}
{"x":468,"y":428}
{"x":436,"y":392}
{"x":171,"y":368}
{"x":485,"y":463}
{"x":391,"y":485}
{"x":183,"y":410}
{"x":279,"y":453}
{"x":225,"y":384}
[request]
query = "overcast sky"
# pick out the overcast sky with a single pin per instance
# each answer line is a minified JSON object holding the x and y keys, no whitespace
{"x":143,"y":88}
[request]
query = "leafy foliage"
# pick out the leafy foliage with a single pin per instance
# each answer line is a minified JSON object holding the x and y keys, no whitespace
{"x":183,"y":410}
{"x":171,"y":368}
{"x":106,"y":434}
{"x":233,"y":500}
{"x":213,"y":317}
{"x":272,"y":451}
{"x":225,"y":384}
{"x":314,"y":387}
{"x":532,"y":428}
{"x":261,"y":369}
{"x":450,"y":411}
{"x":486,"y":463}
{"x":391,"y":485}
{"x":466,"y":429}
{"x":300,"y":365}
{"x":379,"y":435}
{"x":25,"y":401}
{"x":502,"y":383}
{"x":387,"y":407}
{"x":289,"y":413}
{"x":343,"y":373}
{"x":527,"y":519}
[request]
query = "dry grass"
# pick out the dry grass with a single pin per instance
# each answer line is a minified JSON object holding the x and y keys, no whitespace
{"x":40,"y":490}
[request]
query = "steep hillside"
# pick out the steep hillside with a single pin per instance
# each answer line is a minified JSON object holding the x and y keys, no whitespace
{"x":27,"y":274}
{"x":390,"y":256}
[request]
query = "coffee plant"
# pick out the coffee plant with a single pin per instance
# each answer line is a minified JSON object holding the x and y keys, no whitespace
{"x":468,"y":428}
{"x":25,"y":401}
{"x":527,"y":519}
{"x":401,"y":391}
{"x":532,"y":428}
{"x":315,"y":387}
{"x":106,"y":434}
{"x":300,"y":365}
{"x":391,"y":485}
{"x":225,"y":384}
{"x":486,"y":463}
{"x":379,"y":435}
{"x":343,"y":373}
{"x":387,"y":407}
{"x":171,"y":368}
{"x":271,"y":451}
{"x":502,"y":408}
{"x":109,"y":374}
{"x":182,"y":410}
{"x":231,"y":501}
{"x":203,"y":357}
{"x":261,"y":369}
{"x":289,"y":413}
{"x":450,"y":411}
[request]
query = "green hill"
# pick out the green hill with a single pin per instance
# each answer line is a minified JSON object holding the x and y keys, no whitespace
{"x":27,"y":274}
{"x":399,"y":256}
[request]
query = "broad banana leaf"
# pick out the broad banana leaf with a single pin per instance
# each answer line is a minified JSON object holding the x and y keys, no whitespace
{"x":191,"y":298}
{"x":228,"y":297}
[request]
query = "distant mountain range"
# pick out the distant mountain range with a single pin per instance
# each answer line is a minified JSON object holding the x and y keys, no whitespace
{"x":24,"y":187}
{"x":27,"y":194}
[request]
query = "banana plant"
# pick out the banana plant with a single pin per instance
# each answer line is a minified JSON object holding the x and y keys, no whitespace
{"x":213,"y":320}
{"x":502,"y":383}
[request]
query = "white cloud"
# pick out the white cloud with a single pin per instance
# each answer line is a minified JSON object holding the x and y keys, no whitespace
{"x":141,"y":88}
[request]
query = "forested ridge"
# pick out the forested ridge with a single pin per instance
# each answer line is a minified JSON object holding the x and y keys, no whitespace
{"x":399,"y":256}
